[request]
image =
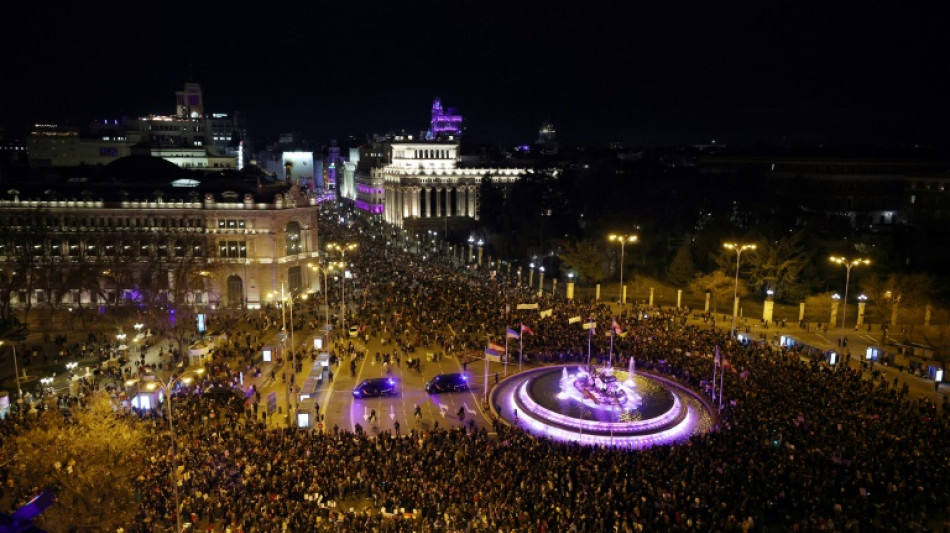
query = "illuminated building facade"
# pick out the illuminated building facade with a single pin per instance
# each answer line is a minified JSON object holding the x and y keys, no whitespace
{"x":188,"y":138}
{"x":421,"y":185}
{"x":98,"y":240}
{"x":445,"y":123}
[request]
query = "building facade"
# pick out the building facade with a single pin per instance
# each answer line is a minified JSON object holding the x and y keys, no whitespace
{"x":421,"y":186}
{"x":188,"y":138}
{"x":94,"y":244}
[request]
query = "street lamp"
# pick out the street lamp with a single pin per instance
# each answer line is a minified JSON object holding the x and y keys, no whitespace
{"x":531,"y":275}
{"x":541,"y":279}
{"x":16,"y":369}
{"x":738,"y":248}
{"x":480,"y":244}
{"x":623,"y":240}
{"x":847,"y":263}
{"x":326,"y":288}
{"x":293,"y":353}
{"x":343,"y":248}
{"x":471,"y":242}
{"x":167,"y":387}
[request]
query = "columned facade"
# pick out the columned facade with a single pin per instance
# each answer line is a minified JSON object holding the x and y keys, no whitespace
{"x":423,"y":184}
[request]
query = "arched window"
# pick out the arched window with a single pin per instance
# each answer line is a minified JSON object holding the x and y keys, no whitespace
{"x":293,"y":238}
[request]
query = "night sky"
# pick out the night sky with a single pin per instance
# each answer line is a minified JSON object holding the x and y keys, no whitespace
{"x":635,"y":73}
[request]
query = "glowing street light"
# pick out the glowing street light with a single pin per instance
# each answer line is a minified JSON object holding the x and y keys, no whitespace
{"x":343,"y":248}
{"x":847,"y":263}
{"x":326,"y":288}
{"x":623,"y":240}
{"x":738,"y":248}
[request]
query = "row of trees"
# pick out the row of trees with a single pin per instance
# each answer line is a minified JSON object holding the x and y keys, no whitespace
{"x":148,"y":277}
{"x":682,"y":218}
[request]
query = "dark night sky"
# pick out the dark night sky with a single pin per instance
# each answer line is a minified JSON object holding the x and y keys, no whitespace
{"x":662,"y":74}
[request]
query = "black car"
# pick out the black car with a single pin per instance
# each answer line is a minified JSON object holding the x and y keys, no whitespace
{"x":371,"y":388}
{"x":448,"y":383}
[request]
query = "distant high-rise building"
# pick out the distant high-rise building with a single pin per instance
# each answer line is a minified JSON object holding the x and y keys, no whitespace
{"x":547,"y":139}
{"x":445,"y":124}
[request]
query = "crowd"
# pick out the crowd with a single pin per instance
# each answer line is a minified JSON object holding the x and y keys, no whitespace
{"x":799,"y":446}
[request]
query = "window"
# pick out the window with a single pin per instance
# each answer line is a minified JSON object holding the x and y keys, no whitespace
{"x":293,"y":238}
{"x":232,"y":249}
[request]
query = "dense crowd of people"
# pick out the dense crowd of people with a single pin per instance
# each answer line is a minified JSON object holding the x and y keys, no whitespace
{"x":799,"y":445}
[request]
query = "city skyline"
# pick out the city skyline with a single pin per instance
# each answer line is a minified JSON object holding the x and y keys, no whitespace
{"x":639,"y":75}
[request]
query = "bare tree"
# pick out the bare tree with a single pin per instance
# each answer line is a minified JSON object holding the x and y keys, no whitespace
{"x":178,"y":272}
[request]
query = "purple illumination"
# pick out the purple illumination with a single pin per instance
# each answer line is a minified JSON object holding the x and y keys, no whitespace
{"x":638,"y":426}
{"x":444,"y":121}
{"x":369,"y":190}
{"x":668,"y":421}
{"x":372,"y":208}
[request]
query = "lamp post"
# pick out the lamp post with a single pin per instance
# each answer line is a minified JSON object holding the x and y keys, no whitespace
{"x":167,"y":387}
{"x":471,"y":242}
{"x":541,"y":279}
{"x":16,"y":368}
{"x":738,"y":248}
{"x":531,"y":275}
{"x":623,"y":240}
{"x":847,"y":263}
{"x":343,"y":248}
{"x":326,"y":290}
{"x":293,"y":353}
{"x":480,"y":244}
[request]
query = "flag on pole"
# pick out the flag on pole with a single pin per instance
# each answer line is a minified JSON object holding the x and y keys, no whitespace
{"x":574,"y":320}
{"x":495,"y":347}
{"x":526,"y":329}
{"x":547,"y":312}
{"x":615,"y":326}
{"x":590,"y":325}
{"x":493,"y":355}
{"x":512,"y":334}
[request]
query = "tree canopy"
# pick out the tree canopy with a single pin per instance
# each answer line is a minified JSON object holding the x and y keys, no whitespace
{"x":90,"y":456}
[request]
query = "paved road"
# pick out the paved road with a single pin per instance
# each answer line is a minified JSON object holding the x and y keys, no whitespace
{"x":341,"y":409}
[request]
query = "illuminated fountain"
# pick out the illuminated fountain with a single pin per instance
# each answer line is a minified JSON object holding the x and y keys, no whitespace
{"x":601,"y":405}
